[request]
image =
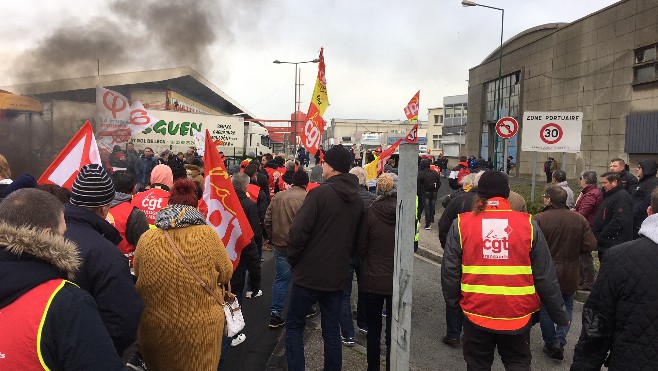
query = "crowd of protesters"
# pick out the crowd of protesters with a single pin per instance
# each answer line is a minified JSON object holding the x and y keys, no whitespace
{"x":102,"y":262}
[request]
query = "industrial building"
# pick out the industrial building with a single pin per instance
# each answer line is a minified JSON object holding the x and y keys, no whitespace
{"x":604,"y":65}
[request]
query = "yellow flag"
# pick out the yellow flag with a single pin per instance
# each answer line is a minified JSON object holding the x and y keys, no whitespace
{"x":371,"y":169}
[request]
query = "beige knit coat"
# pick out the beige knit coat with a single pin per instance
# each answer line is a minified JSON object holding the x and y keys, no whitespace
{"x":182,"y":325}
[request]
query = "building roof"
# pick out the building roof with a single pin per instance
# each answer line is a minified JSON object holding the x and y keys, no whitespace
{"x":184,"y":80}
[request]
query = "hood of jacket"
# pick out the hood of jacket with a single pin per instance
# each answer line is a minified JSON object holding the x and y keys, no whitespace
{"x":29,"y":257}
{"x":649,"y":169}
{"x":194,"y":169}
{"x":385,"y":206}
{"x":120,"y":197}
{"x":80,"y":215}
{"x":178,"y":216}
{"x":346,"y":186}
{"x":649,"y":228}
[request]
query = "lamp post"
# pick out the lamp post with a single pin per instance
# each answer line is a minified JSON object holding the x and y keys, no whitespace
{"x":469,"y":3}
{"x":294,"y":119}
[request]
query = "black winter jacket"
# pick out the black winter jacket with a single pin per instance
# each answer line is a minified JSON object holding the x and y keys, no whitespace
{"x":367,"y":197}
{"x":614,"y":220}
{"x":251,"y":212}
{"x":627,"y":181}
{"x":460,"y":204}
{"x":641,"y":195}
{"x":621,"y":313}
{"x":324,"y":233}
{"x":377,"y":246}
{"x":105,"y":274}
{"x":73,"y":336}
{"x":428,"y":180}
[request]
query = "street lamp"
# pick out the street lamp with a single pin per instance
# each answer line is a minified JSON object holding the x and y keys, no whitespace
{"x":294,"y":120}
{"x":469,"y":3}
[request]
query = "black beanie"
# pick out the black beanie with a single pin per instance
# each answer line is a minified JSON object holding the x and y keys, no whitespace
{"x":93,"y":187}
{"x":300,"y":178}
{"x":493,"y":184}
{"x":339,"y":158}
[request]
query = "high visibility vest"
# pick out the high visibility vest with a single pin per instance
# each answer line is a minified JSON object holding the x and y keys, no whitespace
{"x":22,"y":326}
{"x":498,"y":289}
{"x":150,"y":202}
{"x":311,"y":185}
{"x":118,"y":217}
{"x":253,"y":191}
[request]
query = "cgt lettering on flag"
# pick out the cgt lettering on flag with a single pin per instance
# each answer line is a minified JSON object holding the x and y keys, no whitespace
{"x":412,"y":108}
{"x":315,"y":124}
{"x":221,"y":205}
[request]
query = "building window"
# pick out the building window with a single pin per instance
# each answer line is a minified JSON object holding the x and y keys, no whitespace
{"x":509,"y":96}
{"x":645,"y":68}
{"x":437,"y":144}
{"x":435,"y":136}
{"x":436,"y":119}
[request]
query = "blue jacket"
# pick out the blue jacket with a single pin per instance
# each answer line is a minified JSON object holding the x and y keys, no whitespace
{"x":105,"y":274}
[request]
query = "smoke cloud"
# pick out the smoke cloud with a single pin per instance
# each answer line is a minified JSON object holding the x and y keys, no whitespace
{"x":135,"y":35}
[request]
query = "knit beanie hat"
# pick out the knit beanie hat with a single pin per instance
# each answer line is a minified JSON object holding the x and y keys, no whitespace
{"x":300,"y":178}
{"x":93,"y":187}
{"x":339,"y":158}
{"x":493,"y":184}
{"x":23,"y":181}
{"x":162,"y":174}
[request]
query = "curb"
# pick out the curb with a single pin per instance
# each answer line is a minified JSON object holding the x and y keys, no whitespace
{"x":277,"y":360}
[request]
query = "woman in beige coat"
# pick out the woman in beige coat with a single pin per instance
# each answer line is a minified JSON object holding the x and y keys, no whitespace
{"x":182,"y":325}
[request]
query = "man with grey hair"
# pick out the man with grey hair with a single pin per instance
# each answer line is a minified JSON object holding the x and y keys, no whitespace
{"x":285,"y":181}
{"x":39,"y":307}
{"x":560,"y":178}
{"x":587,"y":205}
{"x":568,"y":235}
{"x":460,"y":204}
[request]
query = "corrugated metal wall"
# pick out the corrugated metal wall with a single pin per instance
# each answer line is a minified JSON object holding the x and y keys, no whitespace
{"x":642,"y":133}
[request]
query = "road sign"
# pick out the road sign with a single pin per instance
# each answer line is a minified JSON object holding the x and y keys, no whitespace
{"x":552,"y":131}
{"x":507,"y":127}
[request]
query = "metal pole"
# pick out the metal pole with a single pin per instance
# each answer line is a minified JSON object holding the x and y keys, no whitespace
{"x":534,"y":177}
{"x":505,"y":148}
{"x":563,"y":167}
{"x":500,"y":85}
{"x":294,"y":113}
{"x":405,"y":229}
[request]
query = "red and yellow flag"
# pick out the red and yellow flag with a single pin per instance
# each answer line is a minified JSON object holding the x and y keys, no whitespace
{"x":411,"y":110}
{"x":315,"y":124}
{"x":383,"y":158}
{"x":221,"y":205}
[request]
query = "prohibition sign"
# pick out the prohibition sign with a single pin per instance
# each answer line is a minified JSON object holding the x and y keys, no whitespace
{"x":551,"y":133}
{"x":507,"y":127}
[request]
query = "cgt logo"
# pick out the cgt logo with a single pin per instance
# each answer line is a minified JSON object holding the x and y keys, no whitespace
{"x":495,"y":238}
{"x":2,"y":355}
{"x":152,"y":203}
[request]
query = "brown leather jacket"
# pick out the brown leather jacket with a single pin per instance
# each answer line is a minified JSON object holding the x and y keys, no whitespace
{"x":568,"y":234}
{"x":280,"y":214}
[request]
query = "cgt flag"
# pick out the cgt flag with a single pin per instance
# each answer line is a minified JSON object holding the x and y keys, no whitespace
{"x":221,"y":205}
{"x":411,"y":110}
{"x":80,"y":151}
{"x":383,"y":158}
{"x":315,"y":124}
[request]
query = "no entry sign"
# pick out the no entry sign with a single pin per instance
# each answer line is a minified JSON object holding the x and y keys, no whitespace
{"x":552,"y":131}
{"x":507,"y":127}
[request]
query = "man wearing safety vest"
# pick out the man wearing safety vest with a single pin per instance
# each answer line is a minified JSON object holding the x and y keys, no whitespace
{"x":46,"y":322}
{"x":496,"y":269}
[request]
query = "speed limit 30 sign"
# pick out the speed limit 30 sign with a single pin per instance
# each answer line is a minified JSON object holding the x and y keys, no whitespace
{"x":552,"y":131}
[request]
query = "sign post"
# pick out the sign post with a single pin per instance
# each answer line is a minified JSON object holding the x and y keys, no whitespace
{"x":506,"y":128}
{"x":551,"y":132}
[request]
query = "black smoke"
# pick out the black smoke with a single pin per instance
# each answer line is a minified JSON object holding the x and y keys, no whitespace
{"x":133,"y":35}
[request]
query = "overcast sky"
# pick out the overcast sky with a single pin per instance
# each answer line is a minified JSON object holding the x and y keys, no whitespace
{"x":378,"y":53}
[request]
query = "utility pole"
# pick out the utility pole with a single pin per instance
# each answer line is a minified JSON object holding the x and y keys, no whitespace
{"x":405,"y":230}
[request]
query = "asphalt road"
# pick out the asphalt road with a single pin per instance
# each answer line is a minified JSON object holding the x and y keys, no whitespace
{"x":255,"y":351}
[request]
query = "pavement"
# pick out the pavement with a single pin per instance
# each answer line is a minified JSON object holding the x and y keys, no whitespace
{"x":428,"y":322}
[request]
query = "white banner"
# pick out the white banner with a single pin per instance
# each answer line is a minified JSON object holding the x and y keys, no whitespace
{"x":117,"y":121}
{"x":551,"y":131}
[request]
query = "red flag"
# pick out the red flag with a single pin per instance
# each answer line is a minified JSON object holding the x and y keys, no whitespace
{"x":386,"y":155}
{"x":412,"y":137}
{"x":315,"y":124}
{"x":221,"y":205}
{"x":80,"y":151}
{"x":411,"y":110}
